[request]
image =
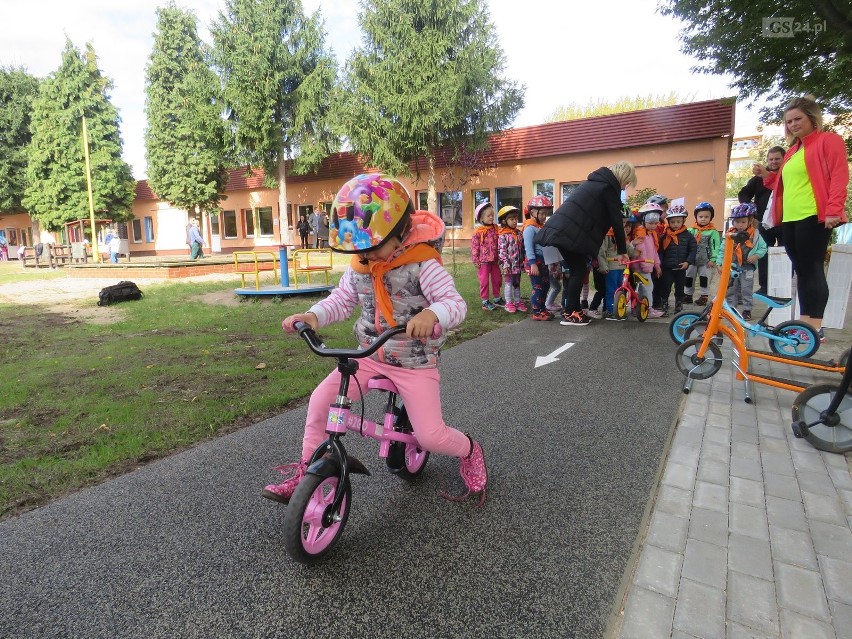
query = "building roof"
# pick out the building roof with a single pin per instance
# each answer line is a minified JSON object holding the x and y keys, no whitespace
{"x":663,"y":125}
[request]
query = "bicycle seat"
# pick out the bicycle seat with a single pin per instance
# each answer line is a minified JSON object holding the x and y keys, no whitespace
{"x":382,"y":383}
{"x":773,"y":302}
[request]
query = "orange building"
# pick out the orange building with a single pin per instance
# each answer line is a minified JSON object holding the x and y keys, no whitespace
{"x":681,"y":151}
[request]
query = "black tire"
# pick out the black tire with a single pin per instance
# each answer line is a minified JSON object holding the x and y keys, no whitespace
{"x":844,"y":358}
{"x":807,"y":408}
{"x":695,"y":367}
{"x":643,"y":308}
{"x":620,"y":305}
{"x":305,"y":531}
{"x":805,"y":334}
{"x":406,"y":460}
{"x":679,"y":324}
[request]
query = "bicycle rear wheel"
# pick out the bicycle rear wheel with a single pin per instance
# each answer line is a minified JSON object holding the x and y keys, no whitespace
{"x":406,"y":460}
{"x":695,"y":367}
{"x":808,"y":407}
{"x":804,"y":341}
{"x":643,"y":308}
{"x":680,"y":323}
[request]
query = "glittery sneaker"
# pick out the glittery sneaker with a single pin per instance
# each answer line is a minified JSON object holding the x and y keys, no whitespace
{"x":473,"y":474}
{"x":283,"y":491}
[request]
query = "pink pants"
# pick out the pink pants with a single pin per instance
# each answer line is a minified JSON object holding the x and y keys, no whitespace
{"x":420,"y":389}
{"x":489,"y":271}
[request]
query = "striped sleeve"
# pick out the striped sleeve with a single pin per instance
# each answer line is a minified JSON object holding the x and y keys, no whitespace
{"x":339,"y":304}
{"x":444,"y":300}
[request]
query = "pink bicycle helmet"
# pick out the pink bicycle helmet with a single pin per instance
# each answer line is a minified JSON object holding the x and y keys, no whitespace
{"x":480,"y":210}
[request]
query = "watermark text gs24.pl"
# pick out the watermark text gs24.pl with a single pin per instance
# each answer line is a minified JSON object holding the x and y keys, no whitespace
{"x":775,"y":27}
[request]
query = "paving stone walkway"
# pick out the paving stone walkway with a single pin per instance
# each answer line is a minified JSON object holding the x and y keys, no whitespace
{"x":751,"y":529}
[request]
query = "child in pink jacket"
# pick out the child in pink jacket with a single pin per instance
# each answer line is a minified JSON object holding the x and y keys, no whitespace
{"x":483,"y":254}
{"x":646,"y":241}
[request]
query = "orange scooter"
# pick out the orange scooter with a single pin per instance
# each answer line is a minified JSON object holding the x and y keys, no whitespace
{"x":701,"y":358}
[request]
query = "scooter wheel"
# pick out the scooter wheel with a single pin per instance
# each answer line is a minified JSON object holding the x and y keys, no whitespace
{"x":695,"y":367}
{"x":808,"y":408}
{"x":805,"y":341}
{"x":680,"y":323}
{"x":310,"y":528}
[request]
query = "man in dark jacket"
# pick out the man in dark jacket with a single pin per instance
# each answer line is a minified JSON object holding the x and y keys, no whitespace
{"x":755,"y":192}
{"x":578,"y":227}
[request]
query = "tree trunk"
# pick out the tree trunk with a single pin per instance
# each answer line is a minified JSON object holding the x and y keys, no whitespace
{"x":432,"y":198}
{"x":283,"y":217}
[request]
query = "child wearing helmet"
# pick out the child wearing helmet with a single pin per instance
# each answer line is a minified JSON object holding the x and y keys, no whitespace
{"x":483,"y":254}
{"x":647,"y":244}
{"x":610,"y":265}
{"x":663,"y":202}
{"x":677,"y":254}
{"x":510,"y":254}
{"x":746,"y":256}
{"x":395,"y":277}
{"x":708,"y":239}
{"x":537,"y":211}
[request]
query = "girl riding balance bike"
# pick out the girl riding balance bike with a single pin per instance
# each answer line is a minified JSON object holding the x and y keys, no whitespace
{"x":396,"y":278}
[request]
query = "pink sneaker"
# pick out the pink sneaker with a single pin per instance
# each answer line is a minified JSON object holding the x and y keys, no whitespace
{"x":554,"y":308}
{"x":523,"y":308}
{"x":283,"y":491}
{"x":474,"y":475}
{"x":655,"y":314}
{"x":510,"y":307}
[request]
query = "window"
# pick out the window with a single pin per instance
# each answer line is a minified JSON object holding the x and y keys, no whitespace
{"x":214,"y":224}
{"x":543,"y":187}
{"x":567,"y":188}
{"x":248,"y":222}
{"x":137,"y":230}
{"x":229,"y":221}
{"x":12,"y":237}
{"x":423,"y":200}
{"x":508,"y":196}
{"x":479,"y":197}
{"x":264,"y":221}
{"x":149,"y":229}
{"x":450,"y":205}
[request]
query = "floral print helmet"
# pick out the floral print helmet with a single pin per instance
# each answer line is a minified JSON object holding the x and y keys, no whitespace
{"x":367,"y":211}
{"x":746,"y":209}
{"x":538,"y":202}
{"x":678,"y":210}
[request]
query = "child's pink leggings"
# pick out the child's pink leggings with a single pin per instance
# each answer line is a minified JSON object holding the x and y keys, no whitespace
{"x":489,"y":271}
{"x":420,"y":389}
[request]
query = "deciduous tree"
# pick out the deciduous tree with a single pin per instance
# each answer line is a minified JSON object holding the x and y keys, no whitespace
{"x":56,"y":175}
{"x":184,"y":139}
{"x":593,"y":108}
{"x":17,"y":91}
{"x":428,"y":77}
{"x":278,"y":78}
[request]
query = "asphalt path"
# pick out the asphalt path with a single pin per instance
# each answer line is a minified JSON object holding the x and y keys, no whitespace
{"x":186,"y":547}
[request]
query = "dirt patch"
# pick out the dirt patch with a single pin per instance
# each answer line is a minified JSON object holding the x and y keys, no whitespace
{"x":89,"y":314}
{"x":219,"y":298}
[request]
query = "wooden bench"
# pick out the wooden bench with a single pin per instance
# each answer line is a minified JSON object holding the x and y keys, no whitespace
{"x":62,"y":254}
{"x":312,"y":261}
{"x":30,"y":259}
{"x":247,"y":263}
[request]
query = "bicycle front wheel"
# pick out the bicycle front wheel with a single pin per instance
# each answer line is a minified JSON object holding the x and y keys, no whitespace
{"x":680,"y":323}
{"x":798,"y":339}
{"x":310,"y":528}
{"x":808,"y":407}
{"x":621,"y":304}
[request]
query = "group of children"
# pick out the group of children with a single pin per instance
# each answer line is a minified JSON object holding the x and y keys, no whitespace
{"x":660,"y":245}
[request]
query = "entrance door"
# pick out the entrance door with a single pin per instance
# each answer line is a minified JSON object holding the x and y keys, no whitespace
{"x":215,"y":235}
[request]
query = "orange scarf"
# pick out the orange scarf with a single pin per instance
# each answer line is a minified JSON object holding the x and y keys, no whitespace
{"x":640,"y":231}
{"x":738,"y":248}
{"x":531,"y":222}
{"x":698,"y":228}
{"x":482,"y":230}
{"x":505,"y":230}
{"x":377,"y":270}
{"x":671,"y":236}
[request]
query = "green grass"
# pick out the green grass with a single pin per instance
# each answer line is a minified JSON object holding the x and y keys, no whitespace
{"x":83,"y":401}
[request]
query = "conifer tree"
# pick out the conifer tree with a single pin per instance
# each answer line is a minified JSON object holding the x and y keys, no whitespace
{"x":184,"y":139}
{"x":277,"y":78}
{"x":428,"y":77}
{"x":56,"y":191}
{"x":17,"y":90}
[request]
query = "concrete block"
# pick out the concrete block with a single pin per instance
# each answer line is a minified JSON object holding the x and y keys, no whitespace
{"x":839,"y":284}
{"x":780,"y":283}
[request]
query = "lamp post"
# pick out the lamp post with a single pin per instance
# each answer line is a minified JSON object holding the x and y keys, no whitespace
{"x":96,"y":253}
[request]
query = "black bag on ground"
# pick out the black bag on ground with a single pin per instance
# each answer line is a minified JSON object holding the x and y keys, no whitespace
{"x":120,"y":292}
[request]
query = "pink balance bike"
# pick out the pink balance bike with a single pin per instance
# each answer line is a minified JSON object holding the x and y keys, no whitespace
{"x":626,"y":298}
{"x":319,"y":507}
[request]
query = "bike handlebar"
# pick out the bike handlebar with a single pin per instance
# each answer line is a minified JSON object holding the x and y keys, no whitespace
{"x":317,"y":346}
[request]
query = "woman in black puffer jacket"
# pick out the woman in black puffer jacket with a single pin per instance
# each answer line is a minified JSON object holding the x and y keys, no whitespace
{"x":578,"y":227}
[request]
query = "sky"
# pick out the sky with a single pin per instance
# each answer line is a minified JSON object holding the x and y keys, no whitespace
{"x":562,"y":51}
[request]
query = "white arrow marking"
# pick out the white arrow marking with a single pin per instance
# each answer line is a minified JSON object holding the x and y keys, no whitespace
{"x":549,"y":359}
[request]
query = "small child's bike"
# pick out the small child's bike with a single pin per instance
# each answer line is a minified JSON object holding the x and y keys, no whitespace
{"x":626,"y":298}
{"x":319,"y":507}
